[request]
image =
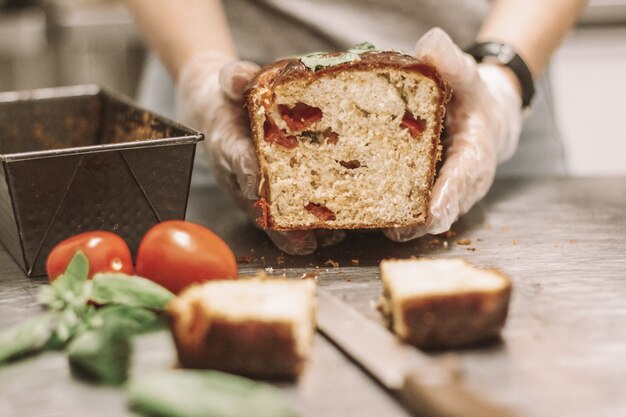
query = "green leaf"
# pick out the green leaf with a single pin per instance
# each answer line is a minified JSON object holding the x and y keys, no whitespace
{"x":27,"y":337}
{"x":69,"y":288}
{"x":317,"y":61}
{"x":72,"y":321}
{"x":129,"y":290}
{"x":48,"y":297}
{"x":101,"y":355}
{"x":362,"y":47}
{"x":193,"y":393}
{"x":75,"y":276}
{"x":132,"y":320}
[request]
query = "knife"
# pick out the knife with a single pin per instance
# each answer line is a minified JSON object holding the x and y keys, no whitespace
{"x":428,"y":387}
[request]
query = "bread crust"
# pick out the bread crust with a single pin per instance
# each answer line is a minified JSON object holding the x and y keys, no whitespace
{"x":255,"y":346}
{"x":293,"y":69}
{"x":449,"y":320}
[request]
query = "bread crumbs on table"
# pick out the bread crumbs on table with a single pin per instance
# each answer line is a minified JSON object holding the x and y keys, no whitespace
{"x":245,"y":259}
{"x":514,"y":242}
{"x":332,"y":263}
{"x":448,"y":234}
{"x":269,"y":269}
{"x":309,"y":275}
{"x":572,"y":241}
{"x":355,"y":262}
{"x":470,"y":249}
{"x":445,"y":243}
{"x":434,"y":243}
{"x":463,"y":242}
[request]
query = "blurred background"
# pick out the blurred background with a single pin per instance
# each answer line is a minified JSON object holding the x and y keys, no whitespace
{"x":45,"y":43}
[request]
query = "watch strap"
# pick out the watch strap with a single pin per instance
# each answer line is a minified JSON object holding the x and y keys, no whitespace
{"x":504,"y":54}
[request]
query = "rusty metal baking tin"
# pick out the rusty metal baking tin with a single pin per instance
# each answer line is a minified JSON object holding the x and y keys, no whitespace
{"x":80,"y":158}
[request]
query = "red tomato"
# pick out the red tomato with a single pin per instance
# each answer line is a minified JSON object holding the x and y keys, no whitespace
{"x":106,"y":251}
{"x":176,"y":254}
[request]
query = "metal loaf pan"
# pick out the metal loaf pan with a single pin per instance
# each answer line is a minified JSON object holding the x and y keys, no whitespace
{"x":80,"y":158}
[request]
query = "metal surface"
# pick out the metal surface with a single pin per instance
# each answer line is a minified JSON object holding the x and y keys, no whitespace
{"x":429,"y":387}
{"x":79,"y":158}
{"x":562,"y":350}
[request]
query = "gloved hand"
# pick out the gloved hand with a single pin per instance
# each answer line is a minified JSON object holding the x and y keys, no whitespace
{"x":483,"y":124}
{"x":209,"y":97}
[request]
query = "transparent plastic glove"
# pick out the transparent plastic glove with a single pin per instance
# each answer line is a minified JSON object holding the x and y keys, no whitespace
{"x":483,"y":124}
{"x":209,"y":98}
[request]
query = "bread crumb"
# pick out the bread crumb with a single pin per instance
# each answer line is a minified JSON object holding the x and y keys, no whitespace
{"x":470,"y":249}
{"x":309,"y":275}
{"x":269,"y":270}
{"x":572,"y":241}
{"x":434,"y":243}
{"x":245,"y":259}
{"x":445,"y":244}
{"x":478,"y":239}
{"x":355,"y":262}
{"x":332,"y":263}
{"x":463,"y":242}
{"x":514,"y":242}
{"x":448,"y":234}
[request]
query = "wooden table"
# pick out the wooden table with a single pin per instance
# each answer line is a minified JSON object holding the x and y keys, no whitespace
{"x":562,"y":353}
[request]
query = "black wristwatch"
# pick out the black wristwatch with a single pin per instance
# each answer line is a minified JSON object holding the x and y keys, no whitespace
{"x":503,"y":54}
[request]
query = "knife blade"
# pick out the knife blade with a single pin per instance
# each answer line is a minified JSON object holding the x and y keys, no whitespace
{"x":428,"y":387}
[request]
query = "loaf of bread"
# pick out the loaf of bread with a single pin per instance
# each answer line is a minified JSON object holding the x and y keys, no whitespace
{"x":346,"y":140}
{"x":258,"y":327}
{"x":443,"y":303}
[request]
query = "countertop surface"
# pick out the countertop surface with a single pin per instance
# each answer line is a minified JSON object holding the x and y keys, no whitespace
{"x":562,"y":350}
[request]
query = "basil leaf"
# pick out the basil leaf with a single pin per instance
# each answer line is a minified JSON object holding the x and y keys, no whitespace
{"x":315,"y":62}
{"x":48,"y":297}
{"x":132,"y":320}
{"x":69,"y":288}
{"x":129,"y":290}
{"x":193,"y":393}
{"x":362,"y":47}
{"x":27,"y":337}
{"x":101,"y":355}
{"x":72,"y":321}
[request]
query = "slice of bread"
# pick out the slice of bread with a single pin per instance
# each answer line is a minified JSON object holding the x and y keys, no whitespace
{"x":350,"y":145}
{"x":443,"y":303}
{"x":258,"y":327}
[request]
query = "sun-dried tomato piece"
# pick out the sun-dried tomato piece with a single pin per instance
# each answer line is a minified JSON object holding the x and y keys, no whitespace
{"x":300,"y":116}
{"x":353,"y":164}
{"x":415,"y":126}
{"x":264,"y":219}
{"x":330,"y":136}
{"x":320,"y":211}
{"x":274,"y":135}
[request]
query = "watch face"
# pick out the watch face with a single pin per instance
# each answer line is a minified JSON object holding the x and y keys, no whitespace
{"x":506,"y":54}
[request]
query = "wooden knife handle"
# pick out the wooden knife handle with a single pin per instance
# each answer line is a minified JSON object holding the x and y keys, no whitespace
{"x":433,"y":397}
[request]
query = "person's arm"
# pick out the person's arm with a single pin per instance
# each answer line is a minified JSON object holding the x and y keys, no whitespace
{"x":534,"y":28}
{"x":483,"y":126}
{"x":179,"y":30}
